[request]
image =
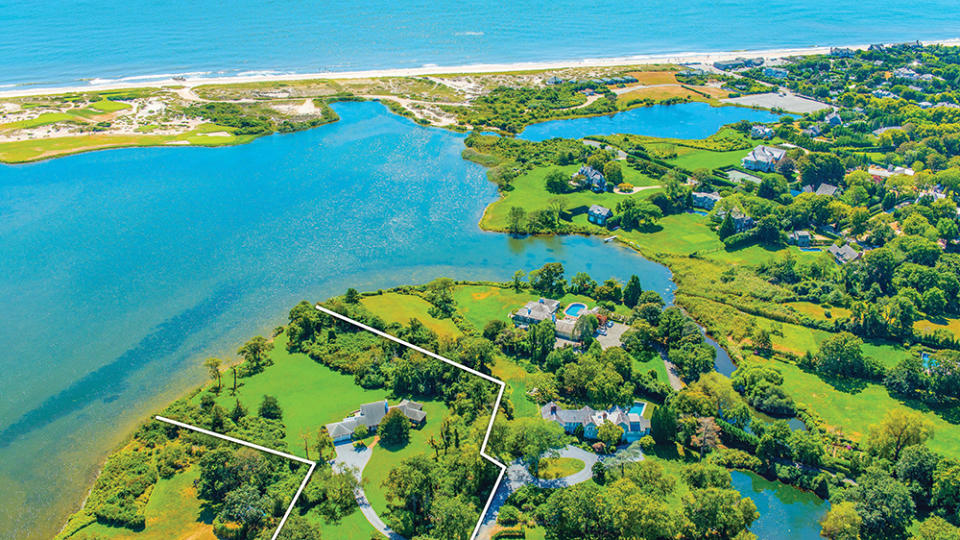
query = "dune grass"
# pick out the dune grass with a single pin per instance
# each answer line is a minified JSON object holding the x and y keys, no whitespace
{"x":400,"y":308}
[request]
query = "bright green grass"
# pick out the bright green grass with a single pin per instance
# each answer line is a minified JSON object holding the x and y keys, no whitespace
{"x":41,"y":120}
{"x":385,"y":459}
{"x":559,"y":467}
{"x":656,"y":364}
{"x":798,"y":340}
{"x":854,"y":410}
{"x":518,"y":384}
{"x":351,"y":527}
{"x":400,"y":308}
{"x":529,"y":192}
{"x":37,"y":149}
{"x":678,"y":234}
{"x":756,"y":254}
{"x":173,"y":511}
{"x":310,"y":394}
{"x":480,"y":304}
{"x":108,"y":106}
{"x":694,"y":158}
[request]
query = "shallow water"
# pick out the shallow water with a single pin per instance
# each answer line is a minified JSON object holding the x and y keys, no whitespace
{"x":121,"y":270}
{"x":785,"y":511}
{"x":54,"y":42}
{"x":687,"y":121}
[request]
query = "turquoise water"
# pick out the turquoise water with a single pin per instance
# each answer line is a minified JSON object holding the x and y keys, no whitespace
{"x":574,"y":309}
{"x":637,"y":407}
{"x":121,"y":270}
{"x":785,"y":511}
{"x":686,"y":121}
{"x":53,"y":42}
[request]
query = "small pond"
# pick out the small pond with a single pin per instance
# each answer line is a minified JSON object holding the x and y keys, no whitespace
{"x":785,"y":511}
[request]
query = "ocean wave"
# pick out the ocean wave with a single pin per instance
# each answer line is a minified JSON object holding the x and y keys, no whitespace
{"x":469,"y":33}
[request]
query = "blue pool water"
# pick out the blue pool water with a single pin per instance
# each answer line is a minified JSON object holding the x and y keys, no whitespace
{"x":57,"y":42}
{"x":638,"y":407}
{"x":121,"y":270}
{"x":684,"y":121}
{"x":574,"y":310}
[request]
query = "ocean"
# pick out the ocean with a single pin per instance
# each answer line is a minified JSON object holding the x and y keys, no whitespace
{"x":60,"y":43}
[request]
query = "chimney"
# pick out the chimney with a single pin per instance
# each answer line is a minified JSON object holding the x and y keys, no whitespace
{"x":553,"y":409}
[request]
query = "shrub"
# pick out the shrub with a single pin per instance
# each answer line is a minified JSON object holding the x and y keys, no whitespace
{"x":509,"y":515}
{"x":647,"y":442}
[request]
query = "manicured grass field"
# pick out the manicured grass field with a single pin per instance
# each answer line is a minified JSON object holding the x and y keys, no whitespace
{"x":310,"y":394}
{"x":108,"y":106}
{"x":480,"y":304}
{"x":559,"y":467}
{"x":351,"y":527}
{"x":659,"y":93}
{"x":656,"y":364}
{"x":694,"y":158}
{"x":530,"y":193}
{"x":385,"y":459}
{"x":400,"y":308}
{"x":854,"y":407}
{"x":679,"y":234}
{"x":173,"y":512}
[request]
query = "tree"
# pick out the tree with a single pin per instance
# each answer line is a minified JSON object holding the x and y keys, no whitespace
{"x":898,"y":430}
{"x":270,"y":409}
{"x":936,"y":528}
{"x":916,"y":468}
{"x":585,"y":327}
{"x":515,"y":218}
{"x":556,"y":181}
{"x":254,"y":353}
{"x":360,"y":432}
{"x":707,"y":435}
{"x":632,"y":292}
{"x":612,"y":172}
{"x":609,"y":433}
{"x":718,"y":513}
{"x":727,"y":227}
{"x":394,"y":429}
{"x":352,"y":296}
{"x":518,"y":280}
{"x":541,"y":338}
{"x":246,"y":506}
{"x":324,"y":444}
{"x":663,"y":424}
{"x":548,"y":280}
{"x":819,"y":167}
{"x":452,"y":517}
{"x":762,"y":342}
{"x":582,"y":283}
{"x":841,"y":354}
{"x":638,"y":213}
{"x":842,"y":522}
{"x":213,"y":369}
{"x":882,"y":502}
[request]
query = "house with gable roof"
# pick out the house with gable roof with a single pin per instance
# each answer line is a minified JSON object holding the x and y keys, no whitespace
{"x":632,"y":422}
{"x":763,"y":158}
{"x":370,"y":415}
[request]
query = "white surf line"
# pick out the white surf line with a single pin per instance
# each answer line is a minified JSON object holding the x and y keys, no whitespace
{"x":493,"y":415}
{"x":303,"y":484}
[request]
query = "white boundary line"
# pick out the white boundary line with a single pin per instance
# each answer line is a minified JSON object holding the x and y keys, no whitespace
{"x":303,"y":484}
{"x":493,"y":415}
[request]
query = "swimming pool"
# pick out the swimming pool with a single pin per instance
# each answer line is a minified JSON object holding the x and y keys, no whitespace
{"x":574,"y":310}
{"x":638,"y":407}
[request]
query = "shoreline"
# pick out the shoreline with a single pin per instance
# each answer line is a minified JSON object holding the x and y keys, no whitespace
{"x":664,"y":58}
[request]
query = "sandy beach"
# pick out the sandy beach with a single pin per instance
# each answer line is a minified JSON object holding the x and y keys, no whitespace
{"x":673,"y":58}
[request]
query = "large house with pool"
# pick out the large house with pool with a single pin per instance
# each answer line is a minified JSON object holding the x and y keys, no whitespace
{"x":631,"y":420}
{"x":547,"y":309}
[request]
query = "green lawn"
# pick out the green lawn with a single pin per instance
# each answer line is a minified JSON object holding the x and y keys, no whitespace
{"x":656,"y":364}
{"x":928,"y":326}
{"x":518,"y":384}
{"x":480,"y":304}
{"x":400,"y":308}
{"x":385,"y":459}
{"x":173,"y":511}
{"x":559,"y":467}
{"x":695,"y":158}
{"x":310,"y":394}
{"x":351,"y":527}
{"x":818,"y":312}
{"x":41,"y":120}
{"x":854,"y":407}
{"x":678,"y":234}
{"x":529,"y":192}
{"x":107,"y":106}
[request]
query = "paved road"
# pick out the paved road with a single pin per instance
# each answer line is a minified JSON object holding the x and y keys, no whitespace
{"x":357,"y":459}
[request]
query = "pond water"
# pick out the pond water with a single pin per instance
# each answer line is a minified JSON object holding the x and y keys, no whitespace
{"x":682,"y":121}
{"x":121,"y":270}
{"x":785,"y":511}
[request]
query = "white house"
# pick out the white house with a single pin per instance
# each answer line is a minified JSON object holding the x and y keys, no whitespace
{"x":632,"y":422}
{"x":370,"y":415}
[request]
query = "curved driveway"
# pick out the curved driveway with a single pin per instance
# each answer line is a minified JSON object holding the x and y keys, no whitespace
{"x":357,"y":459}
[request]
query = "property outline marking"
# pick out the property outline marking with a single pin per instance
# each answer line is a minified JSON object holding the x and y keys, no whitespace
{"x":303,"y":484}
{"x":313,"y":464}
{"x":484,"y":376}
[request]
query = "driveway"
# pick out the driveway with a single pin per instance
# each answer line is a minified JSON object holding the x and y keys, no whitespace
{"x":612,"y":335}
{"x":357,"y":459}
